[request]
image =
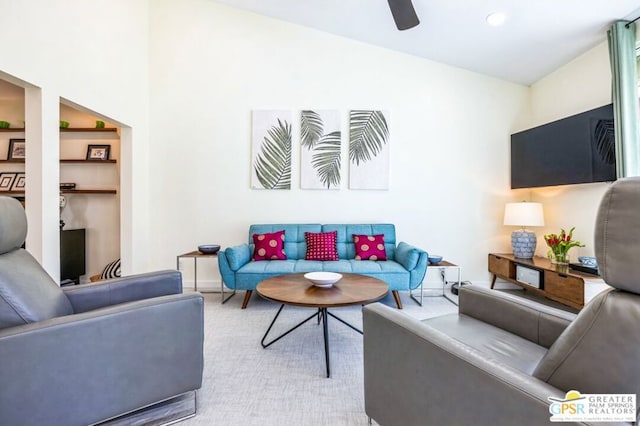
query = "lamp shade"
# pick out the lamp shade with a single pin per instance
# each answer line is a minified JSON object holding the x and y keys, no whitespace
{"x":523,"y":214}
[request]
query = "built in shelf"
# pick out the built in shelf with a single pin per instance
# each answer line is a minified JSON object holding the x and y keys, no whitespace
{"x":67,"y":191}
{"x":88,"y":161}
{"x":88,"y":129}
{"x":66,"y":161}
{"x":68,"y":129}
{"x":88,"y":191}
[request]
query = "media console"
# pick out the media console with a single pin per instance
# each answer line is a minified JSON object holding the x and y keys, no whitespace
{"x":540,"y":276}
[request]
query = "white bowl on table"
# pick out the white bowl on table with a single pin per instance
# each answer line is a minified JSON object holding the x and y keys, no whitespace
{"x":323,"y":279}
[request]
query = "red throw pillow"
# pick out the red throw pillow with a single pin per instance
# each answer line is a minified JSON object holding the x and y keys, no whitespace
{"x":370,"y":247}
{"x":269,"y":246}
{"x":321,"y":245}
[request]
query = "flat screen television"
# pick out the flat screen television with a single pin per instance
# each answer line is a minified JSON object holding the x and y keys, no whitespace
{"x":576,"y":149}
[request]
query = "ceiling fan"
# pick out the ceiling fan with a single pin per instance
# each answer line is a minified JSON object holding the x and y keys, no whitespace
{"x":404,"y":14}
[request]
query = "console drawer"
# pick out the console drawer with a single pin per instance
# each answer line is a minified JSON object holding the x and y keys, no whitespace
{"x":564,"y":286}
{"x":501,"y":266}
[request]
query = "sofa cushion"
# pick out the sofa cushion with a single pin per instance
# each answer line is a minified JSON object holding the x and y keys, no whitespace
{"x":295,"y":246}
{"x":390,"y":272}
{"x":321,"y":245}
{"x":112,"y":270}
{"x":346,"y":248}
{"x":269,"y":246}
{"x":369,"y":247}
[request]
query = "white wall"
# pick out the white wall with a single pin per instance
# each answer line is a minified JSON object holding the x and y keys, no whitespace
{"x":581,"y":85}
{"x":212,"y":65}
{"x":94,"y":54}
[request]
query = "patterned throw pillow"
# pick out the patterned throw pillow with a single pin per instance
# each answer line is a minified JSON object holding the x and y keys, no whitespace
{"x":370,"y":247}
{"x":321,"y":245}
{"x":112,"y":270}
{"x":269,"y":246}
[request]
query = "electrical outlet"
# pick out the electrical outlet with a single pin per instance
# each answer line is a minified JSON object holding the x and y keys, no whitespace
{"x":180,"y":265}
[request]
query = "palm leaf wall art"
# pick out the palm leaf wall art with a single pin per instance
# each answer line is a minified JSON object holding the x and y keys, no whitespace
{"x":368,"y":149}
{"x":320,"y":141}
{"x":326,"y":160}
{"x":311,"y":128}
{"x":272,"y":145}
{"x":604,"y":140}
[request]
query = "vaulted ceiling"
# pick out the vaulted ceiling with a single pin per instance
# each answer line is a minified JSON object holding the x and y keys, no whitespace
{"x":537,"y":37}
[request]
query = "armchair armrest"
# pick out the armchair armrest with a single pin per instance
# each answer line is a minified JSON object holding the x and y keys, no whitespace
{"x":81,"y":368}
{"x":87,"y":297}
{"x":528,"y":319}
{"x":408,"y":364}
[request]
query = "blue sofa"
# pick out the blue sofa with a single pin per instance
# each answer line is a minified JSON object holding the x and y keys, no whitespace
{"x":404,"y":268}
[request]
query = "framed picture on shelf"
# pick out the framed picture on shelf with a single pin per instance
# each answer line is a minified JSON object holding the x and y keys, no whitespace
{"x":16,"y":149}
{"x":98,"y":152}
{"x":6,"y":181}
{"x":18,"y":183}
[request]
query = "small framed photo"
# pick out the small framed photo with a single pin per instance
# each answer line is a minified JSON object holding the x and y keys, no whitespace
{"x":18,"y":184}
{"x":98,"y":152}
{"x":6,"y":181}
{"x":16,"y":149}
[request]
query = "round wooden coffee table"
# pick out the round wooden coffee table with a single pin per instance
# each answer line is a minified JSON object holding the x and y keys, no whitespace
{"x":294,"y":289}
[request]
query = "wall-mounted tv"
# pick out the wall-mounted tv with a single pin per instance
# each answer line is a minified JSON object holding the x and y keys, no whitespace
{"x":576,"y":149}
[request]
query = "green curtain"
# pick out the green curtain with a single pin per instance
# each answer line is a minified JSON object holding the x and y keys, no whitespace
{"x":624,"y":79}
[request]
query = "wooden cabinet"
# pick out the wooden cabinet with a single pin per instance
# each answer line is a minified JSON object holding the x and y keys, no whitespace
{"x":556,"y":282}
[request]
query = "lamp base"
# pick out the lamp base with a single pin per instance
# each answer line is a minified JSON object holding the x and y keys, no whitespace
{"x":523,"y":244}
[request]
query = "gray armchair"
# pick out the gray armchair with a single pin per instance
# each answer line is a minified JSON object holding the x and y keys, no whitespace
{"x":84,"y":354}
{"x":498,"y":360}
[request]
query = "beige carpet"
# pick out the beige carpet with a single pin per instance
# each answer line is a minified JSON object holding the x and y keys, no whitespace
{"x":285,"y":384}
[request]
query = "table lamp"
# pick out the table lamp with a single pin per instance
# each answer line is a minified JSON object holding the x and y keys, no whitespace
{"x":523,"y":214}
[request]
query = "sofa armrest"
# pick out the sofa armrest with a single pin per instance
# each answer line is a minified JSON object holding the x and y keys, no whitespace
{"x":416,"y":375}
{"x":407,"y":255}
{"x":413,"y":260}
{"x":87,"y":297}
{"x":238,"y":256}
{"x":230,"y":260}
{"x":528,"y":319}
{"x":81,"y":368}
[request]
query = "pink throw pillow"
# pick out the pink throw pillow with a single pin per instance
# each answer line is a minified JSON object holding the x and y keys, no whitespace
{"x":321,"y":245}
{"x":269,"y":246}
{"x":369,"y":247}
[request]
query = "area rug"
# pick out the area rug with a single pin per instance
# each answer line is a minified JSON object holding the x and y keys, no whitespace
{"x":286,"y":383}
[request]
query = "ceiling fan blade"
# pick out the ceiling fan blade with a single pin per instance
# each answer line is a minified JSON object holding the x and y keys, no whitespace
{"x":404,"y":14}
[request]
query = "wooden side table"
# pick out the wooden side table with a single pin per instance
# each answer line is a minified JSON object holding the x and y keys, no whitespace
{"x":443,"y":265}
{"x":197,"y":255}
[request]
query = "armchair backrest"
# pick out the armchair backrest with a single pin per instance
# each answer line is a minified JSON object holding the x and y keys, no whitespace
{"x":599,"y":351}
{"x":27,"y":292}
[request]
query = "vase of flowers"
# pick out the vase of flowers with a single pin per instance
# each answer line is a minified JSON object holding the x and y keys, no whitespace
{"x":559,"y":246}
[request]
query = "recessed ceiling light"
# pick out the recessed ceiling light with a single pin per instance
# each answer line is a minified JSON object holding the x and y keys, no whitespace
{"x":496,"y":19}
